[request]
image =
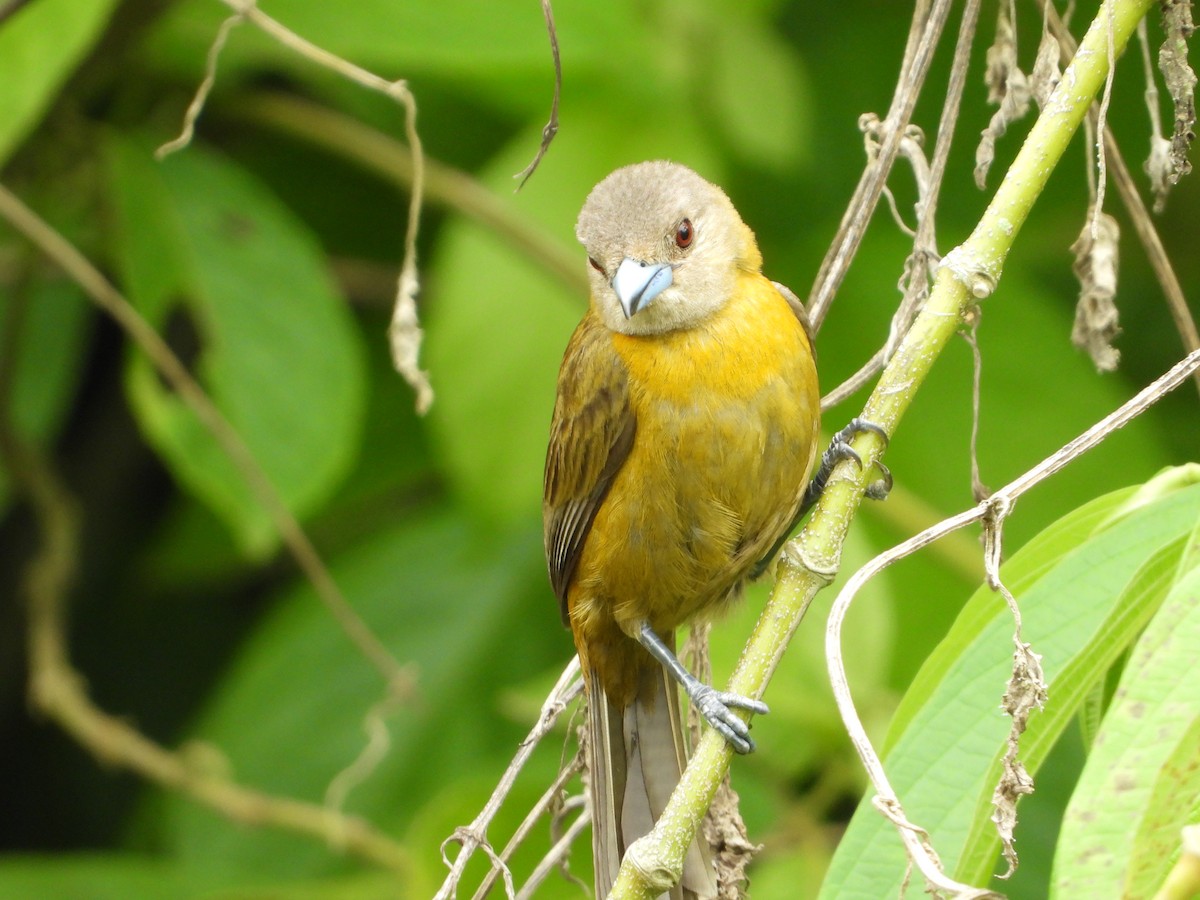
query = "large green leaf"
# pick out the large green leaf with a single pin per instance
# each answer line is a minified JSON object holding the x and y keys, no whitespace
{"x":1036,"y":558}
{"x":1073,"y":686}
{"x":1080,"y":614}
{"x":39,"y":47}
{"x":1141,"y":783}
{"x":279,"y":352}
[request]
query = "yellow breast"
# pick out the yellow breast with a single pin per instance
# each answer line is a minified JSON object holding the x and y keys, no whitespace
{"x":727,"y":418}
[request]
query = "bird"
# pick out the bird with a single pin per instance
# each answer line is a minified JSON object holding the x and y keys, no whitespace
{"x":683,"y":435}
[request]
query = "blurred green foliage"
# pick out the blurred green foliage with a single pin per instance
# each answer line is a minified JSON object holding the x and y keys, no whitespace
{"x":266,"y":254}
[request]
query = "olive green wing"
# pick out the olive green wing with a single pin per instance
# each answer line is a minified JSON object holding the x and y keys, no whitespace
{"x":590,"y":437}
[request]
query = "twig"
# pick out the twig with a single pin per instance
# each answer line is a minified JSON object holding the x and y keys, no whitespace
{"x":554,"y":857}
{"x":551,"y":128}
{"x":978,"y":489}
{"x":390,"y":159}
{"x":206,"y":85}
{"x":1102,"y":127}
{"x":924,"y":245}
{"x":1025,"y":693}
{"x":404,"y":333}
{"x":565,"y":774}
{"x":922,"y":41}
{"x":173,"y":371}
{"x":1159,"y":165}
{"x":374,"y":751}
{"x":925,"y":253}
{"x":474,"y":836}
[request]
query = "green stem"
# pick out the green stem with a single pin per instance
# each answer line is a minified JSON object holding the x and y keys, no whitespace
{"x":968,"y":274}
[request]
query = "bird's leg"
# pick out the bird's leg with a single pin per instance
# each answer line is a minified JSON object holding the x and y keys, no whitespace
{"x":717,"y":707}
{"x":839,"y":449}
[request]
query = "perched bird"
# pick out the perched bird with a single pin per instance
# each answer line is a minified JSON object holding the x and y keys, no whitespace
{"x":684,"y":431}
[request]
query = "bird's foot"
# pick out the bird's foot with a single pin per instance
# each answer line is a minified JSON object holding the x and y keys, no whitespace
{"x":717,"y":707}
{"x":839,"y":449}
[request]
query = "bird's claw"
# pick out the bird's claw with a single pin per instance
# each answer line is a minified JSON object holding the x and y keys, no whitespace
{"x":882,"y":486}
{"x":840,"y":449}
{"x":718,"y":707}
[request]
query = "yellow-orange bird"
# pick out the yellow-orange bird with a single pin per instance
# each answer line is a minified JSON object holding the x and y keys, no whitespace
{"x":684,"y":432}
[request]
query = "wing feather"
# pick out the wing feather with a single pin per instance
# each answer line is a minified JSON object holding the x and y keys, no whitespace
{"x":590,"y":437}
{"x":797,"y":307}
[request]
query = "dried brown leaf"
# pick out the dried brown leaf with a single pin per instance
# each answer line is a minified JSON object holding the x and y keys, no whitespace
{"x":1097,"y":320}
{"x":1008,"y":86}
{"x":1046,"y":73}
{"x":1160,"y":166}
{"x":732,"y":849}
{"x":1026,"y":692}
{"x":1180,"y":80}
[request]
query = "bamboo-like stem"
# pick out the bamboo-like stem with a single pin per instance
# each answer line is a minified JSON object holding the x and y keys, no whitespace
{"x":968,"y":274}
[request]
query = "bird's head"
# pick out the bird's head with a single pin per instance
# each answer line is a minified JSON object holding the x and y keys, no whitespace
{"x":664,"y":247}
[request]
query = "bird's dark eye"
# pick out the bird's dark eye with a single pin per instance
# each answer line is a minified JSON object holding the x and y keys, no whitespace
{"x":595,"y":265}
{"x":684,"y":234}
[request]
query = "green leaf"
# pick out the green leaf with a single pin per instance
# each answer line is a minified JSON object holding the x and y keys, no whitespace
{"x":39,"y":47}
{"x":1034,"y":560}
{"x":497,"y":325}
{"x":446,"y":600}
{"x":1141,"y":783}
{"x":95,"y":877}
{"x":1080,"y":613}
{"x":202,"y":243}
{"x":1164,"y":483}
{"x":1133,"y":606}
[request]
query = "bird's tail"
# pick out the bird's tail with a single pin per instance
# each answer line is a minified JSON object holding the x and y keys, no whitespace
{"x":637,"y":756}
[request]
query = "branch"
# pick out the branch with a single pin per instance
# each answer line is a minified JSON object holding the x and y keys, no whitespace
{"x":391,"y":160}
{"x":474,"y":836}
{"x":996,"y":507}
{"x":968,"y":274}
{"x":551,"y":128}
{"x":924,"y":257}
{"x":922,"y":41}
